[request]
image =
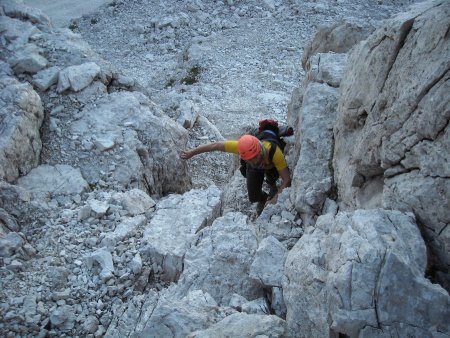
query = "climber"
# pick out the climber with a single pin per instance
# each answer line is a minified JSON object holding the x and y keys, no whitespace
{"x":263,"y":159}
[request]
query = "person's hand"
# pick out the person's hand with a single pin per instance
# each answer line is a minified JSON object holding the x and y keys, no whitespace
{"x":186,"y":154}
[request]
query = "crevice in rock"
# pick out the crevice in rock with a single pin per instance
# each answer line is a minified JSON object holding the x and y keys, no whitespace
{"x":378,"y":280}
{"x":427,"y":89}
{"x":404,"y":31}
{"x":435,"y":270}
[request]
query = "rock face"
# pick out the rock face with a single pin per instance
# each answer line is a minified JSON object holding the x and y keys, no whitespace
{"x":392,"y":135}
{"x":100,"y":235}
{"x":339,"y":37}
{"x":133,"y":141}
{"x":175,"y":225}
{"x":361,"y":274}
{"x":21,"y":116}
{"x":226,"y":250}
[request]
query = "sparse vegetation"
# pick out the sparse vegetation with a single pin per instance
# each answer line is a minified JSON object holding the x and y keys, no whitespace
{"x":73,"y":26}
{"x":170,"y":83}
{"x":192,"y":76}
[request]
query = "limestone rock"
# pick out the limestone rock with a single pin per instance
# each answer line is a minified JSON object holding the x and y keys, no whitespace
{"x":143,"y":144}
{"x":326,"y":68}
{"x":392,"y":135}
{"x":188,"y":114}
{"x":135,"y":201}
{"x":312,"y":175}
{"x":174,"y":226}
{"x":269,"y":262}
{"x":47,"y":180}
{"x":10,"y":244}
{"x":77,"y":77}
{"x":244,"y":325}
{"x":44,"y":79}
{"x":27,"y":60}
{"x":226,"y":250}
{"x":103,"y":258}
{"x":18,"y":10}
{"x":132,"y":317}
{"x":360,"y":270}
{"x":178,"y":317}
{"x":22,"y":115}
{"x":339,"y":37}
{"x":122,"y":230}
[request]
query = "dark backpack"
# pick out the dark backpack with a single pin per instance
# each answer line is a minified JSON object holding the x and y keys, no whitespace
{"x":269,"y":130}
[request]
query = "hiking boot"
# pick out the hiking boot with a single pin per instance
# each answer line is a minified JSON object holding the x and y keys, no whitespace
{"x":260,"y":207}
{"x":273,"y":191}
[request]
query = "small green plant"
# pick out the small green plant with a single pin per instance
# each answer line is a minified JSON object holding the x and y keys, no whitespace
{"x":73,"y":26}
{"x":94,"y":21}
{"x":170,"y":83}
{"x":192,"y":76}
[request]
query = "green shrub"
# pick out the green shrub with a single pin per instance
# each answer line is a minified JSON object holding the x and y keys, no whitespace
{"x":192,"y":76}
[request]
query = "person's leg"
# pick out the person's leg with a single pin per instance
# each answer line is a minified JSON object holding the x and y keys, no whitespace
{"x":255,"y":179}
{"x":271,"y":179}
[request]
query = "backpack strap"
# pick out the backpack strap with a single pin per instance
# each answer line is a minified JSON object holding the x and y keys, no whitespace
{"x":273,"y":148}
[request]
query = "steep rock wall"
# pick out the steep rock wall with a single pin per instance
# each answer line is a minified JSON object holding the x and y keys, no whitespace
{"x":392,"y":135}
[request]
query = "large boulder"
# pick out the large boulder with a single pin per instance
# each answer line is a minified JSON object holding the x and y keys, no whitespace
{"x":361,"y":274}
{"x":392,"y":135}
{"x":45,"y":180}
{"x":21,"y":117}
{"x":21,"y":11}
{"x":312,"y":175}
{"x":174,"y":227}
{"x":177,"y":317}
{"x":244,"y":325}
{"x":220,"y":261}
{"x":339,"y":37}
{"x":133,"y":142}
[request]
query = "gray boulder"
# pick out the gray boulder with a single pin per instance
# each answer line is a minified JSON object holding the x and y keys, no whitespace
{"x":188,"y":113}
{"x":392,"y":135}
{"x":174,"y":226}
{"x":16,"y":32}
{"x":226,"y":251}
{"x":268,"y":265}
{"x":21,"y":115}
{"x":101,"y":261}
{"x":244,"y":325}
{"x":356,"y":272}
{"x":312,"y":175}
{"x":134,"y":201}
{"x":326,"y":68}
{"x":27,"y":60}
{"x":43,"y":79}
{"x":173,"y":317}
{"x":280,"y":221}
{"x":19,"y":10}
{"x":339,"y":37}
{"x":76,"y":78}
{"x":134,"y":144}
{"x":122,"y":230}
{"x":48,"y":181}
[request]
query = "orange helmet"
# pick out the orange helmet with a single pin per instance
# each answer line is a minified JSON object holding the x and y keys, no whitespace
{"x":249,"y":147}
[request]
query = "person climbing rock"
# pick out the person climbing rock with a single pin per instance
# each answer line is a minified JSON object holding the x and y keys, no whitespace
{"x":263,"y":159}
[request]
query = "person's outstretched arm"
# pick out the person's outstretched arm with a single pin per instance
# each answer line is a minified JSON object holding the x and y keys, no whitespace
{"x":204,"y":148}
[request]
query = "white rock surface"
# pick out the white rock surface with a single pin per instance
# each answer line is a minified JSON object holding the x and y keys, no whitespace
{"x":174,"y":226}
{"x":391,"y":136}
{"x":47,"y":180}
{"x":81,"y":269}
{"x":360,"y":270}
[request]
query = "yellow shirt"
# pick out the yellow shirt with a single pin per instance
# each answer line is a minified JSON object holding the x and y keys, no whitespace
{"x":278,"y":159}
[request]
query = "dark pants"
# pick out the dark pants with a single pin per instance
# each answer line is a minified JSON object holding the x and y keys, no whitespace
{"x":255,"y":180}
